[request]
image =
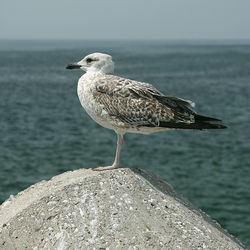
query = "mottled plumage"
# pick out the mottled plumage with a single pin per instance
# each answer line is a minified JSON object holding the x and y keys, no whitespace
{"x":130,"y":106}
{"x":130,"y":102}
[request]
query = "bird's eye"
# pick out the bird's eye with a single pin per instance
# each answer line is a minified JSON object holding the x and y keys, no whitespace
{"x":89,"y":60}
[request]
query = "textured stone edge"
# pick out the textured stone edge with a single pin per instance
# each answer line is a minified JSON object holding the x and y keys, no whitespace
{"x":156,"y":182}
{"x":16,"y":204}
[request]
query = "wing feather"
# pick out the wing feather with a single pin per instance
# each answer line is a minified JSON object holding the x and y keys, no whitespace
{"x":139,"y":104}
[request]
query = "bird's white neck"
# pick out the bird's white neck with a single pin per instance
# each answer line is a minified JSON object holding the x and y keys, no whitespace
{"x":90,"y":76}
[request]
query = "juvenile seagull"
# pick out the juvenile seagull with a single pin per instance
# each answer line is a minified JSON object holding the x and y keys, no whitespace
{"x":128,"y":106}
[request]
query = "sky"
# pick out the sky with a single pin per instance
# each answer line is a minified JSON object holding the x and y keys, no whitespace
{"x":125,"y":19}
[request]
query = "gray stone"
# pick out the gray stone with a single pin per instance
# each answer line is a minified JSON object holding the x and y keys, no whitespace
{"x":117,"y":209}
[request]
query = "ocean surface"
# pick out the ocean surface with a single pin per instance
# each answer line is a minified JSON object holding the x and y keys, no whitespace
{"x":44,"y":131}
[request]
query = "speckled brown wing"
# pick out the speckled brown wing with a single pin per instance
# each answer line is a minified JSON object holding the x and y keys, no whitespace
{"x":118,"y":86}
{"x":135,"y":103}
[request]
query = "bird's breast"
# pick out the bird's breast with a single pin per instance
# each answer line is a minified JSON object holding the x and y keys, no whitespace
{"x":86,"y":90}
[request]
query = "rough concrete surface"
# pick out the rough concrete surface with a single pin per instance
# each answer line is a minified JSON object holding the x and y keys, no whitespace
{"x":118,"y":209}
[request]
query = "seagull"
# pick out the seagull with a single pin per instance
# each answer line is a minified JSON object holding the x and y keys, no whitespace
{"x":129,"y":106}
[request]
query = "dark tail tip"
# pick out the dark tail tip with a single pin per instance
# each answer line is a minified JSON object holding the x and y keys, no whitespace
{"x":215,"y":126}
{"x":222,"y":126}
{"x":209,"y":122}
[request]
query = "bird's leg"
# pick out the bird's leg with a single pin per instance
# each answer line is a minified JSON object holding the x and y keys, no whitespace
{"x":117,"y":155}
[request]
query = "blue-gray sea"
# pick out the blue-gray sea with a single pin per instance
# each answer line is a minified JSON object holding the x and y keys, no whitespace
{"x":44,"y":131}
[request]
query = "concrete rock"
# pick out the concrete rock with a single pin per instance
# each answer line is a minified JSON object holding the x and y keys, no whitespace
{"x":118,"y":209}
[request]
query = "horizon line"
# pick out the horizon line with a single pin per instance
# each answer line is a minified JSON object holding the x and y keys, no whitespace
{"x":127,"y":39}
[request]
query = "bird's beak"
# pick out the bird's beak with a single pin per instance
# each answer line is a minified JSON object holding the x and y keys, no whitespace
{"x":73,"y":66}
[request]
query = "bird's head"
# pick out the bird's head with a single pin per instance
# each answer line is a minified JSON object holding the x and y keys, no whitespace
{"x":96,"y":62}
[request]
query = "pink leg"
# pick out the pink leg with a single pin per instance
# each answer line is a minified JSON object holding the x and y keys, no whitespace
{"x":117,"y":155}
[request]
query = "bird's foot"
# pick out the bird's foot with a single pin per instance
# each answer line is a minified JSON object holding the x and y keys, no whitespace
{"x":114,"y":166}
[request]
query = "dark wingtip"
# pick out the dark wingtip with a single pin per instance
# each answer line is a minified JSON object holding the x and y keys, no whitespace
{"x":212,"y":126}
{"x":210,"y":122}
{"x":222,"y":126}
{"x":206,"y":118}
